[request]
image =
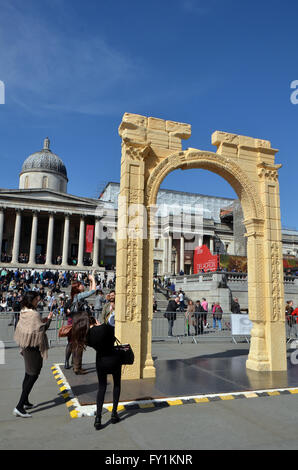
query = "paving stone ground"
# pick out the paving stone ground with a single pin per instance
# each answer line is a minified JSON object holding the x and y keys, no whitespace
{"x":256,"y":423}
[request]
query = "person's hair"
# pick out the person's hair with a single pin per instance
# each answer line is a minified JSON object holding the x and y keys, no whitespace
{"x":80,"y":327}
{"x":28,"y":299}
{"x":75,"y":289}
{"x":190,"y":302}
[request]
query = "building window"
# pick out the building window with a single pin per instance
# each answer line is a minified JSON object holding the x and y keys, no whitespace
{"x":26,"y":186}
{"x":45,"y":182}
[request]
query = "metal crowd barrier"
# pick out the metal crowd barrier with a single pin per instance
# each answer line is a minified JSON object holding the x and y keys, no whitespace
{"x":182,"y":331}
{"x":7,"y":330}
{"x":159,"y":328}
{"x":291,"y":328}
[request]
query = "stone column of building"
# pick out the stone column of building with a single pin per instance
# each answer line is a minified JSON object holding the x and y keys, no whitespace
{"x":96,"y":243}
{"x":49,"y":254}
{"x":170,"y":243}
{"x":1,"y":229}
{"x":181,"y":253}
{"x":211,"y":244}
{"x":33,"y":238}
{"x":16,"y":238}
{"x":81,"y":242}
{"x":164,"y":256}
{"x":65,"y":240}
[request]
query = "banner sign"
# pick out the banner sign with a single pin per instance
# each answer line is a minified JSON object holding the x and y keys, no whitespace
{"x":89,"y":238}
{"x":241,"y":325}
{"x":204,"y":260}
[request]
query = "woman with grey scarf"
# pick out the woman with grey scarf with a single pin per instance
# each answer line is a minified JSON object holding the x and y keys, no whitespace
{"x":31,"y":336}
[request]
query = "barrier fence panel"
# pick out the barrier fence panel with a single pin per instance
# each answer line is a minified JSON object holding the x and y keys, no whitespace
{"x":291,"y":328}
{"x":184,"y":328}
{"x":160,"y":328}
{"x":7,"y":328}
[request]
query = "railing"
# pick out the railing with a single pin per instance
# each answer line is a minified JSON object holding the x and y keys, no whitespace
{"x":291,"y":328}
{"x":193,"y":329}
{"x":8,"y":321}
{"x":182,"y":330}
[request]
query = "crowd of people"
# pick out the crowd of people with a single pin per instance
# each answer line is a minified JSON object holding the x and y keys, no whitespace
{"x":86,"y":325}
{"x":291,"y":314}
{"x":50,"y":285}
{"x":195,"y":314}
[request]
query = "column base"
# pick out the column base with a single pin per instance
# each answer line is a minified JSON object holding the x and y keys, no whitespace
{"x":258,"y":366}
{"x":149,"y":372}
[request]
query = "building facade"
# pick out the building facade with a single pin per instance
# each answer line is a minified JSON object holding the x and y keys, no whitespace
{"x":42,"y":225}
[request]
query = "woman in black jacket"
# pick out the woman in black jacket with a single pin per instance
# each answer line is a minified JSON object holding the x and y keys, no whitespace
{"x":102,"y":339}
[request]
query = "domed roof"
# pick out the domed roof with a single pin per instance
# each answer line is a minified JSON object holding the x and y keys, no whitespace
{"x":45,"y":160}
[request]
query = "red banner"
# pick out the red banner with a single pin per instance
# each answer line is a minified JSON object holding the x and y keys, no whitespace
{"x":204,"y":260}
{"x":89,"y":238}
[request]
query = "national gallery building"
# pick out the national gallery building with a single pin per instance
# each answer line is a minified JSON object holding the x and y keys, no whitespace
{"x":42,"y":225}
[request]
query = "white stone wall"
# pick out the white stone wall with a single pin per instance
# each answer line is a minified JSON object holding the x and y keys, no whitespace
{"x":35,"y":181}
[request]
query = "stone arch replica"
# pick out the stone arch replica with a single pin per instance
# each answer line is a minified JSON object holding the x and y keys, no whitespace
{"x":151,"y":149}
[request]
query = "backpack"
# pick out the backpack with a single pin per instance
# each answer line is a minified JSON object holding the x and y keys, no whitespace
{"x":218,"y":313}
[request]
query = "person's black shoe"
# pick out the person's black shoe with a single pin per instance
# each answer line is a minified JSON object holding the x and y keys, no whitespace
{"x":97,"y":423}
{"x":66,"y":365}
{"x":115,"y":418}
{"x":28,"y":405}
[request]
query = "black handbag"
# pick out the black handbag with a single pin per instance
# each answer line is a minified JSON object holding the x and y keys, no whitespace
{"x":125,"y":352}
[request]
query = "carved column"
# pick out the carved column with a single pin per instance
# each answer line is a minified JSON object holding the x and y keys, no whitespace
{"x":33,"y":238}
{"x":16,"y":238}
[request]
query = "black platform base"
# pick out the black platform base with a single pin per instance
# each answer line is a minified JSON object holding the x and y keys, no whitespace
{"x":215,"y":374}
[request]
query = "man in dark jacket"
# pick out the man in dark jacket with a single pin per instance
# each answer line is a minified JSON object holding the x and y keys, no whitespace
{"x":235,"y":307}
{"x":199,"y":312}
{"x":170,"y":314}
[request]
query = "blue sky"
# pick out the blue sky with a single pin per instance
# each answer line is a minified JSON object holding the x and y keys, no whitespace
{"x":72,"y":69}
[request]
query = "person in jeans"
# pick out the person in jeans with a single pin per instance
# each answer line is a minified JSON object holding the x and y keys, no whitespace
{"x":30,"y":335}
{"x":204,"y":304}
{"x":99,"y":303}
{"x":190,"y":316}
{"x":170,"y":314}
{"x":79,"y":295}
{"x":217,"y":315}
